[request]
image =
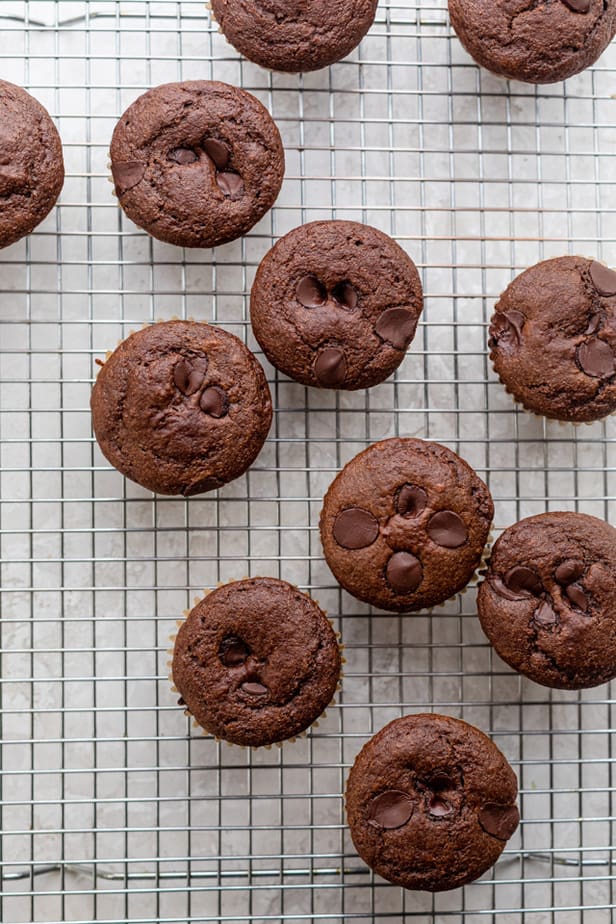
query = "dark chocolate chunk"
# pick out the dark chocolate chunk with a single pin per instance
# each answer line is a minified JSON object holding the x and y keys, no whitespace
{"x":396,"y":326}
{"x":501,"y":588}
{"x":578,"y":6}
{"x":392,"y":809}
{"x":253,"y":688}
{"x":404,"y":572}
{"x":214,"y":401}
{"x":596,"y":358}
{"x":310,"y":292}
{"x":183,"y":156}
{"x":233,"y":651}
{"x":126,"y":175}
{"x":507,"y":325}
{"x":499,"y":821}
{"x":345,"y":295}
{"x":523,"y":580}
{"x":447,"y":529}
{"x":439,"y":807}
{"x":189,"y":375}
{"x":545,"y":614}
{"x":577,"y":596}
{"x":217,"y":151}
{"x":603,"y":278}
{"x":569,"y":571}
{"x":330,"y":367}
{"x":594,"y":324}
{"x":230,"y":183}
{"x":411,"y":500}
{"x":355,"y":528}
{"x":209,"y":483}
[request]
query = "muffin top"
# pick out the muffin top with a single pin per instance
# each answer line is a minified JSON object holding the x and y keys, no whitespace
{"x":256,"y":662}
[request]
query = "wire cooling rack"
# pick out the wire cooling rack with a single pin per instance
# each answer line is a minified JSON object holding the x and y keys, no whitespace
{"x":113,"y":808}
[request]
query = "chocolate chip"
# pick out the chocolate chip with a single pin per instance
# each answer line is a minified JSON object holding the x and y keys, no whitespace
{"x":230,"y":183}
{"x":183,"y":156}
{"x":447,"y":529}
{"x":577,"y":596}
{"x":254,"y":689}
{"x":524,"y":581}
{"x":233,"y":651}
{"x":594,"y":324}
{"x":189,"y":375}
{"x":217,"y":151}
{"x":345,"y":295}
{"x":439,"y":807}
{"x":499,"y":821}
{"x":569,"y":571}
{"x":355,"y":528}
{"x":209,"y":483}
{"x":578,"y":6}
{"x":545,"y":615}
{"x":392,"y":809}
{"x":501,"y":588}
{"x":126,"y":175}
{"x":596,"y":358}
{"x":404,"y":572}
{"x":411,"y":500}
{"x":310,"y":292}
{"x":396,"y":326}
{"x":181,"y":701}
{"x":507,"y":325}
{"x":330,"y":367}
{"x":440,"y":781}
{"x":214,"y":402}
{"x":603,"y":278}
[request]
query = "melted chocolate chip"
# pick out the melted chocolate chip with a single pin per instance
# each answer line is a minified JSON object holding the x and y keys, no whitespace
{"x":578,"y":6}
{"x":392,"y":809}
{"x":447,"y":529}
{"x":126,"y":175}
{"x":569,"y":571}
{"x":439,"y":807}
{"x":183,"y":156}
{"x":594,"y":324}
{"x":596,"y":358}
{"x":396,"y":326}
{"x":404,"y":572}
{"x":355,"y":528}
{"x":501,"y":588}
{"x":214,"y":402}
{"x":411,"y":500}
{"x":330,"y":367}
{"x":507,"y":325}
{"x":217,"y":151}
{"x":230,"y":183}
{"x":524,"y":581}
{"x":310,"y":292}
{"x":189,"y":375}
{"x":233,"y":651}
{"x":545,"y":615}
{"x":344,"y":294}
{"x":578,"y":597}
{"x":253,"y":688}
{"x":209,"y":483}
{"x":603,"y":278}
{"x":499,"y":821}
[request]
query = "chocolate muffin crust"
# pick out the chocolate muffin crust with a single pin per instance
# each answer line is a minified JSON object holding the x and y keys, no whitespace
{"x":294,"y":35}
{"x":256,"y":662}
{"x":553,"y":339}
{"x":197,"y":163}
{"x":430,"y":802}
{"x":404,"y":524}
{"x":548,"y":602}
{"x":335,"y":304}
{"x":31,"y":163}
{"x":181,"y":408}
{"x":538,"y":41}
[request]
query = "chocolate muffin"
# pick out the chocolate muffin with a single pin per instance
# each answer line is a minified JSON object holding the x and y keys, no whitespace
{"x":548,"y":603}
{"x":294,"y":35}
{"x":198,"y":163}
{"x":431,"y":802}
{"x":31,"y":163}
{"x":553,"y":339}
{"x":404,"y":524}
{"x":256,"y":662}
{"x":540,"y":41}
{"x":181,"y":408}
{"x":335,"y":304}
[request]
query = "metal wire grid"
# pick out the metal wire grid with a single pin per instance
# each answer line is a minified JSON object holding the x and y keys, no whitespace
{"x":112,"y":808}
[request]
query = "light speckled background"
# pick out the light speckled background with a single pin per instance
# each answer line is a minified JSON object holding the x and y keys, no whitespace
{"x":477,"y":179}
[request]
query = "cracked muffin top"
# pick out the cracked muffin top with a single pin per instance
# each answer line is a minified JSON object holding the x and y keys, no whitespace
{"x":538,"y":41}
{"x":548,"y":602}
{"x":197,"y":163}
{"x":431,"y":802}
{"x":181,"y":407}
{"x":294,"y":35}
{"x":335,"y":304}
{"x":553,"y":339}
{"x":256,"y":662}
{"x":405,"y":523}
{"x":31,"y":163}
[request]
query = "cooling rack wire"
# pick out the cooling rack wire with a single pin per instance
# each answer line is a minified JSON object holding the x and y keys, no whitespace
{"x":113,"y":808}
